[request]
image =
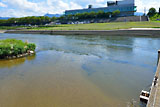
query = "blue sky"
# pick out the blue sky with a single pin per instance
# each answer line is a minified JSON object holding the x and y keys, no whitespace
{"x":21,"y":8}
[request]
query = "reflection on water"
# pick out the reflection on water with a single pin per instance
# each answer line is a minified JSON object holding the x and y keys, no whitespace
{"x":79,"y":71}
{"x":15,"y":62}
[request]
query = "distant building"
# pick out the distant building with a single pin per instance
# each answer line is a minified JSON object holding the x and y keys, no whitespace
{"x":126,"y":8}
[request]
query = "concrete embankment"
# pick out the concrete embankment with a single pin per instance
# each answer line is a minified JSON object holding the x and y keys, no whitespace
{"x":125,"y":32}
{"x":154,"y":99}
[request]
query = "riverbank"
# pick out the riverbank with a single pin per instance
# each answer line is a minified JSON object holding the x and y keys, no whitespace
{"x":30,"y":53}
{"x":90,"y":26}
{"x":123,"y":32}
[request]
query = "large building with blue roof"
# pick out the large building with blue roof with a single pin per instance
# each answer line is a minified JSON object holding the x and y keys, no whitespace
{"x":126,"y":8}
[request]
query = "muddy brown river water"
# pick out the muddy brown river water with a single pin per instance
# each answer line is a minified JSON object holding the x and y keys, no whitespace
{"x":79,"y":71}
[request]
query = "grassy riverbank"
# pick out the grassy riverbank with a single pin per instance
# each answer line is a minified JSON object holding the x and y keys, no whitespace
{"x":103,"y":26}
{"x":10,"y":27}
{"x":13,"y":47}
{"x":95,"y":26}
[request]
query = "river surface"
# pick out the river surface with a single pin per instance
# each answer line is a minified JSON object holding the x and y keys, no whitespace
{"x":79,"y":71}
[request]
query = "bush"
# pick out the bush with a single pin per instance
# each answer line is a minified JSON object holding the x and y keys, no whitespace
{"x":13,"y":47}
{"x":156,"y":17}
{"x":31,"y":47}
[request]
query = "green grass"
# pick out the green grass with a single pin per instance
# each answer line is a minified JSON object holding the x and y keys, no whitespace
{"x":94,"y":26}
{"x":10,"y":27}
{"x":103,"y":26}
{"x":13,"y":47}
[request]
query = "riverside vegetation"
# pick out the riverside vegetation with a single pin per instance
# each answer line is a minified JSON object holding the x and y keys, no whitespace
{"x":91,"y":26}
{"x":42,"y":20}
{"x":39,"y":23}
{"x":12,"y":48}
{"x":153,"y":14}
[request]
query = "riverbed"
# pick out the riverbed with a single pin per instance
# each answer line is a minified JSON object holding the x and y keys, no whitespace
{"x":79,"y":71}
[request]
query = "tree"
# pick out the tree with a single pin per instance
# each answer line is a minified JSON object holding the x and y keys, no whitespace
{"x":101,"y":14}
{"x":108,"y":14}
{"x":12,"y":21}
{"x":115,"y":13}
{"x":92,"y":15}
{"x":53,"y":19}
{"x":85,"y":15}
{"x":78,"y":16}
{"x":62,"y":17}
{"x":69,"y":17}
{"x":159,"y":11}
{"x":152,"y":12}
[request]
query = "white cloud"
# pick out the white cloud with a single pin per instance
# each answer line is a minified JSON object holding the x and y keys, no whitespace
{"x":60,"y":6}
{"x":146,"y":4}
{"x":24,"y":5}
{"x":2,"y":5}
{"x":28,"y":8}
{"x":100,"y":1}
{"x":20,"y":8}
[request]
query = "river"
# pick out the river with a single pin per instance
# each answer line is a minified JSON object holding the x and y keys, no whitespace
{"x":79,"y":71}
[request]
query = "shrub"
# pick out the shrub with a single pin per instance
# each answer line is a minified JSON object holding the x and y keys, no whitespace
{"x":13,"y":47}
{"x":155,"y":17}
{"x":31,"y":47}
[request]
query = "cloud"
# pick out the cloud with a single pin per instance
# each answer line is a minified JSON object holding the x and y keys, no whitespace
{"x":60,"y":6}
{"x":146,"y":4}
{"x":24,"y":5}
{"x":2,"y":5}
{"x":30,"y":8}
{"x":21,"y":8}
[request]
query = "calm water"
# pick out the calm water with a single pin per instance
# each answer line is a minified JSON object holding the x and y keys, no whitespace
{"x":79,"y":71}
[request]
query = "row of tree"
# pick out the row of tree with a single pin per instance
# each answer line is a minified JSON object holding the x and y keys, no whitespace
{"x":91,"y":15}
{"x":27,"y":21}
{"x":42,"y":20}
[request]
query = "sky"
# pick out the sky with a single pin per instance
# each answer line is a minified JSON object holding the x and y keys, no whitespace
{"x":22,"y":8}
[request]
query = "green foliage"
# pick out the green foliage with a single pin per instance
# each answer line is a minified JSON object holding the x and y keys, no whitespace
{"x":13,"y":47}
{"x":101,"y":14}
{"x":152,"y":12}
{"x":90,"y":15}
{"x":103,"y":26}
{"x":153,"y":15}
{"x":116,"y":13}
{"x":41,"y":20}
{"x":31,"y":46}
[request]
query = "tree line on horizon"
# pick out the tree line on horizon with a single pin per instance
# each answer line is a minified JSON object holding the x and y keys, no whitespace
{"x":91,"y":15}
{"x":33,"y":20}
{"x":42,"y":20}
